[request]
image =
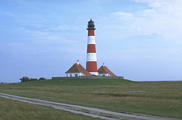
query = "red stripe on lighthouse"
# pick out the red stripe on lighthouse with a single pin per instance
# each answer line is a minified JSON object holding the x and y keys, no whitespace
{"x":91,"y":33}
{"x":92,"y":66}
{"x":91,"y":48}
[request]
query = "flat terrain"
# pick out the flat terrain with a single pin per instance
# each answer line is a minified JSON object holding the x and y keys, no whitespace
{"x":153,"y":98}
{"x":13,"y":110}
{"x":83,"y":110}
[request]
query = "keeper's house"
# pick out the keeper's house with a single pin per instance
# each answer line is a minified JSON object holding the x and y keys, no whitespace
{"x":77,"y":70}
{"x":104,"y":71}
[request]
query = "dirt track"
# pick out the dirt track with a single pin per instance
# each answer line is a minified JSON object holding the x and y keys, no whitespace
{"x":87,"y":111}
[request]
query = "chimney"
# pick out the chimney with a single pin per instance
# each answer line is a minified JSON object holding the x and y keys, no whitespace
{"x":77,"y":62}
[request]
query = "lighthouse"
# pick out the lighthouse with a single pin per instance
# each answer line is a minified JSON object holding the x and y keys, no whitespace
{"x":91,"y":63}
{"x":77,"y":70}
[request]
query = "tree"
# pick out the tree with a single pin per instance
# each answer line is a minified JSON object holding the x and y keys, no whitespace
{"x":24,"y":79}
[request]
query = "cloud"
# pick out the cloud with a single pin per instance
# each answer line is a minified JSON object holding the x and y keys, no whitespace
{"x":40,"y":42}
{"x":63,"y":27}
{"x":162,"y":17}
{"x":123,"y":14}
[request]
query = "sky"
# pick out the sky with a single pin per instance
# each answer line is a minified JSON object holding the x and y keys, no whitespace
{"x":138,"y":39}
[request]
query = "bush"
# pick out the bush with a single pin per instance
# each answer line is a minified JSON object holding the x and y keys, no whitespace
{"x":42,"y":78}
{"x":33,"y":79}
{"x":26,"y":79}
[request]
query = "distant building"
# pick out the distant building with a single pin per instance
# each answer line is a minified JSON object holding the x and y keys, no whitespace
{"x":77,"y":70}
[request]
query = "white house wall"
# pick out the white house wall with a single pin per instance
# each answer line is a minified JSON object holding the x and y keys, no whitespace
{"x":74,"y":74}
{"x":107,"y":75}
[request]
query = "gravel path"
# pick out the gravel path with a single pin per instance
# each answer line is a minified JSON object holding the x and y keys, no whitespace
{"x":87,"y":111}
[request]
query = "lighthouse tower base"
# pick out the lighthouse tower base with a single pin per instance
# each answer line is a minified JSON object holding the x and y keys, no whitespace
{"x":94,"y":73}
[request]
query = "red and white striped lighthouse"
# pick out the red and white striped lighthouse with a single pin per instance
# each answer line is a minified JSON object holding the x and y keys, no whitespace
{"x":91,"y":65}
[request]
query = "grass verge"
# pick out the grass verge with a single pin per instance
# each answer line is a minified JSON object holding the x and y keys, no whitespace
{"x":13,"y":110}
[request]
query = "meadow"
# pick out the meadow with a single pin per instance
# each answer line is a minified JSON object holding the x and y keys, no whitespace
{"x":13,"y":110}
{"x":153,"y":98}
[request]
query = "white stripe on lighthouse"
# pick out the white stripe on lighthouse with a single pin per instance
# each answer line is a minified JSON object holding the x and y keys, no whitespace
{"x":91,"y":39}
{"x":91,"y":57}
{"x":94,"y":73}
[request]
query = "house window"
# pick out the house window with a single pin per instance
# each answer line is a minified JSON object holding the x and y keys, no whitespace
{"x":70,"y":75}
{"x":76,"y":75}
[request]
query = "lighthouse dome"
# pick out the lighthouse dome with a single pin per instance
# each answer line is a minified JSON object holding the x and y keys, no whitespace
{"x":91,"y":25}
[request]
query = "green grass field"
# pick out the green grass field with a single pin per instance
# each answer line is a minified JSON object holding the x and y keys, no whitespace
{"x":154,"y":98}
{"x":13,"y":110}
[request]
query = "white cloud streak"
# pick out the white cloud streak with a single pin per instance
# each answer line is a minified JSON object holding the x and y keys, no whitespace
{"x":162,"y":17}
